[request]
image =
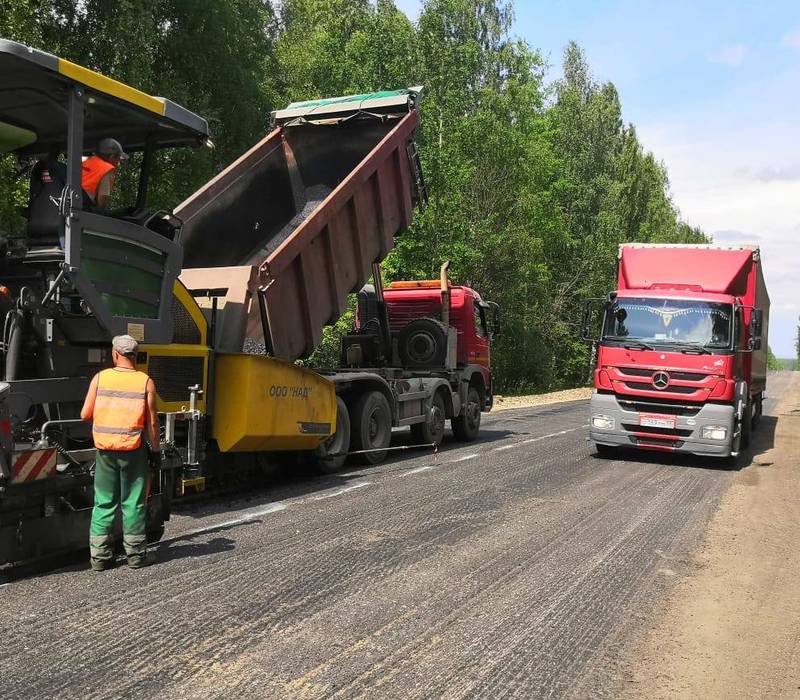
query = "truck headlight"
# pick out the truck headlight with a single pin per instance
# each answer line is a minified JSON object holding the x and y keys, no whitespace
{"x":603,"y":422}
{"x":714,"y":432}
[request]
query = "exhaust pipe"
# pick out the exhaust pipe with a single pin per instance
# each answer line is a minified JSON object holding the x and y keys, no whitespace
{"x":445,"y":290}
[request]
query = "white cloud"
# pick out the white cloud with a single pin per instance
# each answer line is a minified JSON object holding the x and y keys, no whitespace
{"x":792,"y":39}
{"x":729,"y":55}
{"x":721,"y":155}
{"x":733,"y":236}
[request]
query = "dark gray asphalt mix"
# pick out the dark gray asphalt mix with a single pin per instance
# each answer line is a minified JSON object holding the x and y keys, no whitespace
{"x":518,"y":566}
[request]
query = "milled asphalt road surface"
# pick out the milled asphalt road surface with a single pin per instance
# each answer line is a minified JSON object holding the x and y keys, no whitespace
{"x":518,"y":566}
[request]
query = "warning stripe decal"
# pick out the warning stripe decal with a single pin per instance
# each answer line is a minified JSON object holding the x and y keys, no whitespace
{"x":32,"y":465}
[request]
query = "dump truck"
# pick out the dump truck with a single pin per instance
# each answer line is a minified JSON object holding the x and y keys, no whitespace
{"x":344,"y":177}
{"x":682,"y":350}
{"x":223,"y":294}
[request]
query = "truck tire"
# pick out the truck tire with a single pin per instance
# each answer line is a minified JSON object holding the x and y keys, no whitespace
{"x":747,"y":424}
{"x":758,"y":409}
{"x":467,"y":425}
{"x":431,"y":432}
{"x":337,"y":444}
{"x":372,"y":427}
{"x":604,"y":451}
{"x":423,"y":343}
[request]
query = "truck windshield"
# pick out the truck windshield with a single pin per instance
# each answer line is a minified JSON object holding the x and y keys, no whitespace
{"x":669,"y":322}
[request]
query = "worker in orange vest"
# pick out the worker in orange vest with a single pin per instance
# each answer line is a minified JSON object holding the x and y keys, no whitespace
{"x":121,"y":402}
{"x":100,"y":171}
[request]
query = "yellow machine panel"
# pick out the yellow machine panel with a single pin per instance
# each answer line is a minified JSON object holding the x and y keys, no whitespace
{"x":261,"y":403}
{"x":183,"y":363}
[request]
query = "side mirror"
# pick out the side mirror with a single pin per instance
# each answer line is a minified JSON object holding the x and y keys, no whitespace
{"x":586,"y":321}
{"x":495,"y":319}
{"x":756,"y":323}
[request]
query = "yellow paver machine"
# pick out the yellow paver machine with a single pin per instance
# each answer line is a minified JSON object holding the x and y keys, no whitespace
{"x":274,"y":247}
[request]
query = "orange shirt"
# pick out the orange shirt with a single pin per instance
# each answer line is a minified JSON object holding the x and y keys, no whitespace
{"x":94,"y":169}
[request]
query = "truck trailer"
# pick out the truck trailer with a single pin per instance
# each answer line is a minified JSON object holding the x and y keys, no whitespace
{"x":681,"y":350}
{"x":223,"y":293}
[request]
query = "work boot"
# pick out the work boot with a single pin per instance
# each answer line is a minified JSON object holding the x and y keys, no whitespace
{"x":102,"y":564}
{"x":139,"y":561}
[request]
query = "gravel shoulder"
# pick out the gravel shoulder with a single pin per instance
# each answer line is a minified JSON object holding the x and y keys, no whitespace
{"x":506,"y":402}
{"x":731,"y":627}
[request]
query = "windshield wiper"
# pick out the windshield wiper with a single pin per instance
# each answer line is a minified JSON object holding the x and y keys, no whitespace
{"x":690,"y":348}
{"x":630,"y":344}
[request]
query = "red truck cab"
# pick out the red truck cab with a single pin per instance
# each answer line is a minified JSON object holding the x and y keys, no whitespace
{"x":469,"y":316}
{"x":682,"y":350}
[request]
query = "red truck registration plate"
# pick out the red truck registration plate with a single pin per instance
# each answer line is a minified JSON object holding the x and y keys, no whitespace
{"x":657,"y":420}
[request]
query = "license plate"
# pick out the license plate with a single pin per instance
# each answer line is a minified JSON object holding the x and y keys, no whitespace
{"x":656,"y":420}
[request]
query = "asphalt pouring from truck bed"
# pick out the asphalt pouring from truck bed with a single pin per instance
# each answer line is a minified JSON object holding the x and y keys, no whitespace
{"x":516,"y":566}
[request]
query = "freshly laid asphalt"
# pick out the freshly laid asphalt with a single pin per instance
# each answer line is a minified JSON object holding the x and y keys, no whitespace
{"x":517,"y":566}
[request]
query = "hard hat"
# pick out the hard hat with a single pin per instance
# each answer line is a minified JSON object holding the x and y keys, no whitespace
{"x":111,"y":147}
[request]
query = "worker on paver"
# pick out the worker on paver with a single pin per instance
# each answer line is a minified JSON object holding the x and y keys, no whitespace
{"x":121,"y":402}
{"x":100,"y":171}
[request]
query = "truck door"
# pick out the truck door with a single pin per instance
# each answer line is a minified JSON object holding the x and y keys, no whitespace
{"x":478,"y":344}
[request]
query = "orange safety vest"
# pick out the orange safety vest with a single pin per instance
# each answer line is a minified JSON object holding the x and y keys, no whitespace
{"x":120,"y":409}
{"x":94,"y":170}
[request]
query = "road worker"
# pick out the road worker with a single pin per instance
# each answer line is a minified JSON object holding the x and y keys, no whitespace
{"x":100,"y":171}
{"x":121,"y":403}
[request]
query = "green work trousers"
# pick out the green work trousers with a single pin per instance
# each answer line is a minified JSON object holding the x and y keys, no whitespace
{"x":120,"y":481}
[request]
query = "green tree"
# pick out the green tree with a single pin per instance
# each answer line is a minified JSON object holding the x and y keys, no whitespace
{"x":532,"y":186}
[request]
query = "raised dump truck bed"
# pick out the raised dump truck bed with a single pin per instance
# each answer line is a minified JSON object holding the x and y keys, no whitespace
{"x":312,"y":206}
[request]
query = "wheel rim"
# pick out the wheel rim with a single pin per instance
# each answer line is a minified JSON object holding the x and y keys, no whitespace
{"x":421,"y":347}
{"x":437,"y":422}
{"x":473,"y":414}
{"x":376,"y":429}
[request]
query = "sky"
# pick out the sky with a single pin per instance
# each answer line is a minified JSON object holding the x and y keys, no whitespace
{"x":713,"y":89}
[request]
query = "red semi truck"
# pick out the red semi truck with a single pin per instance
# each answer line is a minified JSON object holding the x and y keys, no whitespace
{"x":682,"y":350}
{"x":420,"y":354}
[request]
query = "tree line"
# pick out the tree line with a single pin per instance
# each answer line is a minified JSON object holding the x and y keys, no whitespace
{"x":533,"y":184}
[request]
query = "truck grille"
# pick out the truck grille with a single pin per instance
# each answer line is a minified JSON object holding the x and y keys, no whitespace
{"x":673,"y":388}
{"x":644,"y":372}
{"x":659,"y":406}
{"x":677,"y":432}
{"x":656,"y":443}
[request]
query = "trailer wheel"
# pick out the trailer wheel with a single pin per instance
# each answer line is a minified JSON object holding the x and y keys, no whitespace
{"x":432,"y":430}
{"x":337,"y":444}
{"x":372,"y":427}
{"x":467,"y":425}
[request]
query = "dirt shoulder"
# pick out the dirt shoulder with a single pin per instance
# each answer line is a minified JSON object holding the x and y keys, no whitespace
{"x":504,"y":402}
{"x":732,"y":628}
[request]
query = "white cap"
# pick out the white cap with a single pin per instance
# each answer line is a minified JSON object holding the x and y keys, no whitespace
{"x":124,"y":344}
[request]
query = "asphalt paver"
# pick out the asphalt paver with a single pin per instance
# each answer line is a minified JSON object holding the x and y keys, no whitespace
{"x":516,"y":566}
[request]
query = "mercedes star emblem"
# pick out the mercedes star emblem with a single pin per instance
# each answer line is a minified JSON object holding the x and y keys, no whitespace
{"x":661,"y":380}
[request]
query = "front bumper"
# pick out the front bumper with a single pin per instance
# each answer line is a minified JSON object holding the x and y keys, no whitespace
{"x":686,"y":437}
